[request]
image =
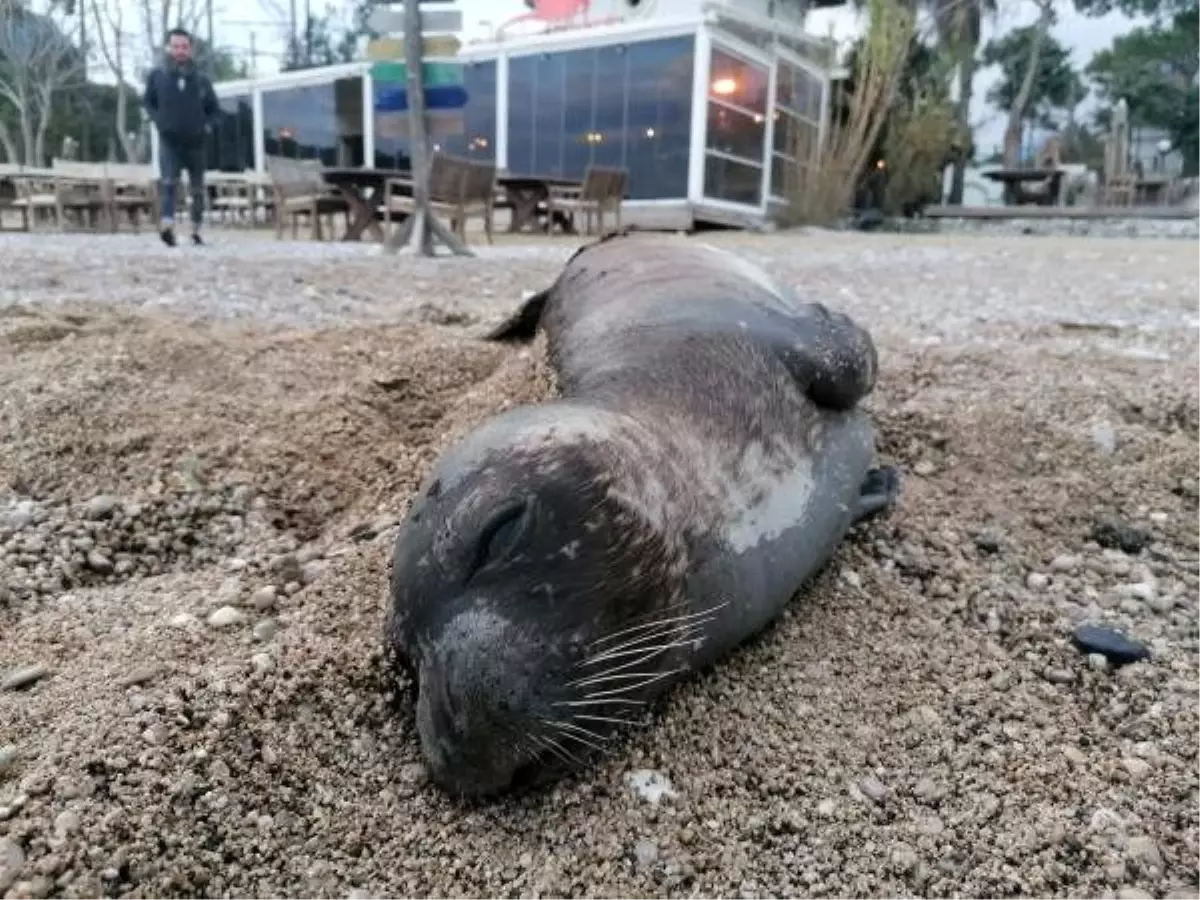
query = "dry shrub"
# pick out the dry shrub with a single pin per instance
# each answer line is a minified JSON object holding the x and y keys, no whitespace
{"x":920,"y":134}
{"x":823,"y":191}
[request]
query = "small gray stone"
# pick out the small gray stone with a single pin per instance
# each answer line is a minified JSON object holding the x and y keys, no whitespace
{"x":1137,"y":768}
{"x":1059,"y":676}
{"x":140,"y":675}
{"x":8,"y":756}
{"x":100,"y":507}
{"x":924,"y":468}
{"x":646,"y":853}
{"x":1098,"y":662}
{"x":12,"y":861}
{"x":264,"y":598}
{"x":24,"y":676}
{"x":226,"y":616}
{"x":1132,"y":893}
{"x":66,"y":822}
{"x":1144,"y":851}
{"x":1104,"y":436}
{"x":1037,"y":581}
{"x":265,"y":630}
{"x":873,"y":789}
{"x":98,"y":562}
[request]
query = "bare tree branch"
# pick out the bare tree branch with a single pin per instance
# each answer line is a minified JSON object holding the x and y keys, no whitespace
{"x":39,"y":57}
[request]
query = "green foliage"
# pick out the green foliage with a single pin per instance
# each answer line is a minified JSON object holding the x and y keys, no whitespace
{"x":1056,"y":84}
{"x":1151,"y":9}
{"x":328,"y":42}
{"x":1155,"y":69}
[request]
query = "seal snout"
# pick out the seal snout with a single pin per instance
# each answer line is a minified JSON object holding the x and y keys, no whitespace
{"x":475,"y":702}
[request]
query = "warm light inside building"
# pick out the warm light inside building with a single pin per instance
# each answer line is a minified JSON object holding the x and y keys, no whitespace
{"x":724,"y":86}
{"x":649,"y":132}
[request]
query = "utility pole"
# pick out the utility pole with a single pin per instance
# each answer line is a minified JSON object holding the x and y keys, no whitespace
{"x":293,"y":43}
{"x":419,"y":229}
{"x":253,"y":57}
{"x":308,"y":36}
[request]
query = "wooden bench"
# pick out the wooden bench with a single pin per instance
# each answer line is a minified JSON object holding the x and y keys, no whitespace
{"x":34,"y":196}
{"x":602,"y":191}
{"x":130,"y":189}
{"x":459,"y":189}
{"x":299,"y":190}
{"x":79,"y":189}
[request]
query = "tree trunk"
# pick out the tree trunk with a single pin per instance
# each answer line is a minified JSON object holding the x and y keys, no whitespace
{"x":1016,"y":115}
{"x":966,"y":80}
{"x":11,"y":153}
{"x":128,"y":147}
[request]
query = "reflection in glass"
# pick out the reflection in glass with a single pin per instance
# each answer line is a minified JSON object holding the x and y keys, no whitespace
{"x":735,"y":132}
{"x":626,"y":105}
{"x":795,"y":146}
{"x":737,"y":81}
{"x":478,"y":137}
{"x":549,"y":110}
{"x":230,"y":145}
{"x":322,"y":121}
{"x":726,"y":179}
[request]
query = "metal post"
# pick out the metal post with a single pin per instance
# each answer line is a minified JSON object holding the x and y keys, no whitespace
{"x":422,"y":227}
{"x":212,"y":48}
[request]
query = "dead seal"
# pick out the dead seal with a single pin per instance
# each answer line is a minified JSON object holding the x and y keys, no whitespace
{"x":566,"y":563}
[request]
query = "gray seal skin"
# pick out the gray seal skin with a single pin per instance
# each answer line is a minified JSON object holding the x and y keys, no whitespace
{"x":567,"y":562}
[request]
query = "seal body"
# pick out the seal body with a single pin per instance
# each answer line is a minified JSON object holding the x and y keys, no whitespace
{"x":566,"y":563}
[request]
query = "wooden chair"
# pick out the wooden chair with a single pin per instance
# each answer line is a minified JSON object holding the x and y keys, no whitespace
{"x":36,"y":198}
{"x":459,"y":189}
{"x":602,"y":191}
{"x":299,"y":190}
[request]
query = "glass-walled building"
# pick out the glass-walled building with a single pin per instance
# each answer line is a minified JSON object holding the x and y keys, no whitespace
{"x":715,"y":118}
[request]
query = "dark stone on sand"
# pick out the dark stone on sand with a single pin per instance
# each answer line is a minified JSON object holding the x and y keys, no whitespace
{"x":1114,"y":646}
{"x":1120,"y":535}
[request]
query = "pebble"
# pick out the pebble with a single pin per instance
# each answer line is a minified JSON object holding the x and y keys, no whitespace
{"x":1114,"y":646}
{"x":264,"y":598}
{"x":1137,"y":768}
{"x":651,"y":786}
{"x":826,"y":808}
{"x":646,"y":853}
{"x":265,"y":630}
{"x":1121,"y":535}
{"x":1098,"y":662}
{"x":873,"y":789}
{"x":226,"y":616}
{"x":262,"y":662}
{"x":98,"y":562}
{"x":1132,"y":893}
{"x":1144,"y":851}
{"x":140,"y":675}
{"x":23,"y":677}
{"x":1064,"y":563}
{"x":8,"y":756}
{"x":1104,"y":437}
{"x":1036,"y":581}
{"x":1140,"y":591}
{"x":924,"y":468}
{"x":66,"y":822}
{"x":183,"y":620}
{"x":1059,"y":676}
{"x":100,"y":507}
{"x":12,"y":861}
{"x":904,"y":858}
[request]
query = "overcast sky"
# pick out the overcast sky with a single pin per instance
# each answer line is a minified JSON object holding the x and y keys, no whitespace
{"x":1083,"y":35}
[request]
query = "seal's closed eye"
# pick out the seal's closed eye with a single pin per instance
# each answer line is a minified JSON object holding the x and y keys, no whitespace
{"x":501,"y":535}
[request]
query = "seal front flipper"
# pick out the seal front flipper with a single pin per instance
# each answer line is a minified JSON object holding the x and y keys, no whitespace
{"x":878,"y":493}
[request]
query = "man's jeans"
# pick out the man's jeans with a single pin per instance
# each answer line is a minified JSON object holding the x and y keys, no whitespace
{"x":173,"y":160}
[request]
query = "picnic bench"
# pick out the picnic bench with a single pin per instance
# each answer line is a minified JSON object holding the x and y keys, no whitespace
{"x":235,"y":197}
{"x":602,"y":191}
{"x":299,"y":190}
{"x":1046,"y":191}
{"x":459,"y":189}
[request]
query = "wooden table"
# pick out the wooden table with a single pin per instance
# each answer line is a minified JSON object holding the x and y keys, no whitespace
{"x":525,"y":193}
{"x":362,"y":189}
{"x":1014,"y":180}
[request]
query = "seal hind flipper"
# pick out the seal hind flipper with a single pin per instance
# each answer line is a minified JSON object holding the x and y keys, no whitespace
{"x":522,"y":325}
{"x":834,"y":360}
{"x":879,"y":492}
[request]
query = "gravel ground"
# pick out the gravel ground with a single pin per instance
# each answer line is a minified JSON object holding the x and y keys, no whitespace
{"x":206,"y":451}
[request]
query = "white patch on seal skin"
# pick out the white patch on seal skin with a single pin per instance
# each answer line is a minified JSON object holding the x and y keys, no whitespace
{"x":770,"y":500}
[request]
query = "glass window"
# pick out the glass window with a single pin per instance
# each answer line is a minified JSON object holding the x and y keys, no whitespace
{"x":658,"y":116}
{"x":625,"y":105}
{"x":522,"y":79}
{"x":549,"y":102}
{"x":736,"y":133}
{"x":231,"y":142}
{"x":738,"y":82}
{"x":579,"y":118}
{"x":321,"y":121}
{"x":609,"y":113}
{"x":478,"y":137}
{"x":727,"y":179}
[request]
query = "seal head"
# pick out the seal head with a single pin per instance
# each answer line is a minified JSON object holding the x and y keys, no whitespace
{"x":523,"y":561}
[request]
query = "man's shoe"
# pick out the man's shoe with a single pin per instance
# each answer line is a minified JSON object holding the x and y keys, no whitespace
{"x":168,"y":235}
{"x":197,"y":240}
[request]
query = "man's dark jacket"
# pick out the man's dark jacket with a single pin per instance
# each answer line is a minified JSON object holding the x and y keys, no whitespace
{"x":181,"y":102}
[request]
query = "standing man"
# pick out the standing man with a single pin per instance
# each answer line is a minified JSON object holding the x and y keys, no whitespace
{"x":182,"y":105}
